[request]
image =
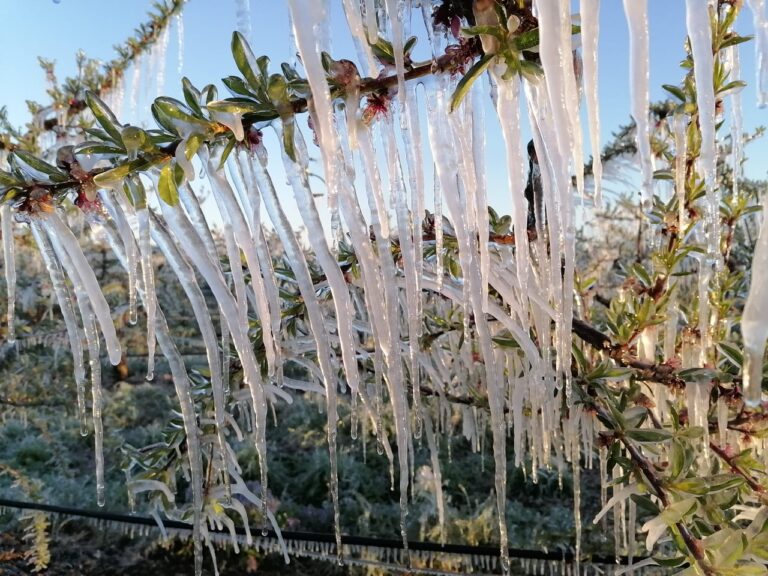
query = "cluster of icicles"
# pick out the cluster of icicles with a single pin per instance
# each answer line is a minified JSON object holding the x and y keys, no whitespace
{"x":375,"y":180}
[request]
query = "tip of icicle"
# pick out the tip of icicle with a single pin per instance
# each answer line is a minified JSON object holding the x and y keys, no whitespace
{"x":150,"y":376}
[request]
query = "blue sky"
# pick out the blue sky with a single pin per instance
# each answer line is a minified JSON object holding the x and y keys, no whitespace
{"x":58,"y":30}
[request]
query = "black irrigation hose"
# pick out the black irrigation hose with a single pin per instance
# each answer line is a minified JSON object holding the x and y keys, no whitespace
{"x":390,"y":543}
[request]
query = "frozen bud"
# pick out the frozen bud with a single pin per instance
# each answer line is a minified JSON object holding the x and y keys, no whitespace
{"x":65,"y":157}
{"x":344,"y":72}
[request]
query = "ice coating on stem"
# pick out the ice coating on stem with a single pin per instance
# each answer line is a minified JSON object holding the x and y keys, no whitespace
{"x":697,"y":19}
{"x":590,"y":32}
{"x":56,"y":228}
{"x":64,"y":299}
{"x":9,"y":265}
{"x":754,"y":320}
{"x":760,"y":21}
{"x":636,"y":12}
{"x":148,"y":275}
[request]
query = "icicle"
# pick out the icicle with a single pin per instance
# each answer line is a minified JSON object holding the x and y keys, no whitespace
{"x":646,"y":345}
{"x":438,"y":201}
{"x":132,"y":254}
{"x":681,"y":142}
{"x":180,"y":37}
{"x":9,"y":263}
{"x":243,"y":177}
{"x":307,"y":17}
{"x":444,"y":154}
{"x":371,"y":23}
{"x":234,"y":218}
{"x":396,"y":16}
{"x":737,"y":122}
{"x":760,"y":21}
{"x":754,"y":320}
{"x":342,"y":305}
{"x":590,"y":32}
{"x":357,"y":28}
{"x":85,"y":304}
{"x":135,"y":85}
{"x":145,"y":248}
{"x":68,"y":312}
{"x":508,"y":110}
{"x":243,"y":17}
{"x":637,"y":19}
{"x":195,"y":249}
{"x":161,"y":47}
{"x":56,"y":228}
{"x":697,"y":19}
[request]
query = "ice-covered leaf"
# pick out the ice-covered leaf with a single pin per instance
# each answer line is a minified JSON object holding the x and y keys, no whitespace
{"x":104,"y":116}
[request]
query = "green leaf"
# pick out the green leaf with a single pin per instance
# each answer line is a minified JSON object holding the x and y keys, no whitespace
{"x":495,"y":31}
{"x":191,"y":95}
{"x":245,"y":60}
{"x":117,"y":173}
{"x":98,"y":148}
{"x":732,"y":353}
{"x":227,"y":151}
{"x":288,"y":138}
{"x":676,"y":91}
{"x":166,"y":186}
{"x":648,"y":435}
{"x":8,"y":179}
{"x":36,"y":164}
{"x":236,"y":106}
{"x":135,"y":192}
{"x":466,"y":82}
{"x":104,"y":117}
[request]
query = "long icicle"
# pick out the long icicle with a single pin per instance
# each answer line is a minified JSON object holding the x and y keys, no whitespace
{"x":9,"y":263}
{"x":74,"y":331}
{"x":233,"y":216}
{"x":697,"y":19}
{"x":196,"y":251}
{"x":56,"y":228}
{"x":186,"y":275}
{"x":637,"y":19}
{"x":183,"y":392}
{"x":342,"y":304}
{"x":88,"y":317}
{"x":590,"y":32}
{"x":150,"y":295}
